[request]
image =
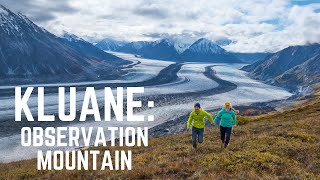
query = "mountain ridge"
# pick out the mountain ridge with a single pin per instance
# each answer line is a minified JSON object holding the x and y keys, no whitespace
{"x":169,"y":49}
{"x":209,"y":51}
{"x":30,"y":54}
{"x":289,"y":67}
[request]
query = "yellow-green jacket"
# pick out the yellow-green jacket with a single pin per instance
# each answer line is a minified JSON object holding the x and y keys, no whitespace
{"x":197,"y":120}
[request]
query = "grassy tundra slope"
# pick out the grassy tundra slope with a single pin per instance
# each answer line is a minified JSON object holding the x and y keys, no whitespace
{"x":281,"y":145}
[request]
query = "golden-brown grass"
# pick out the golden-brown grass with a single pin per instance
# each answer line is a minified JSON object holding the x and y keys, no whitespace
{"x":281,"y":145}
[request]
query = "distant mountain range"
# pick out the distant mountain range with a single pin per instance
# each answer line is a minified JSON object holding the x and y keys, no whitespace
{"x":295,"y":67}
{"x":207,"y":50}
{"x":175,"y":49}
{"x":30,"y":54}
{"x":202,"y":50}
{"x":133,"y":47}
{"x":163,"y":49}
{"x":110,"y":44}
{"x":87,"y":49}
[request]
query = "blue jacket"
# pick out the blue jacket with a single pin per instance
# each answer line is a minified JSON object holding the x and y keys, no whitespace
{"x":227,"y":118}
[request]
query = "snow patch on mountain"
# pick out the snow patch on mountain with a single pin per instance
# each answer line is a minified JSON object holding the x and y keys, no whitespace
{"x":110,"y":44}
{"x":3,"y":11}
{"x":71,"y":37}
{"x":181,"y":43}
{"x":206,"y":46}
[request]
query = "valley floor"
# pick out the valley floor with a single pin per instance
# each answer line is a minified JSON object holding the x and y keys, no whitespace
{"x":173,"y":87}
{"x":279,"y":145}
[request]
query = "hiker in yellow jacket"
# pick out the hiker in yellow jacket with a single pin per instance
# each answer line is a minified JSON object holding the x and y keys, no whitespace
{"x":196,"y":120}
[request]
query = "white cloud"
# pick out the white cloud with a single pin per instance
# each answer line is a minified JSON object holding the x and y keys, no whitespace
{"x":254,"y":25}
{"x":306,"y":21}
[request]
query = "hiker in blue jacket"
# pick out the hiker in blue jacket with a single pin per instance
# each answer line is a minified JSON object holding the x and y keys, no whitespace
{"x":227,"y":118}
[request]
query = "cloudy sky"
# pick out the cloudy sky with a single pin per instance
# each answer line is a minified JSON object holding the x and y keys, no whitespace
{"x":252,"y":25}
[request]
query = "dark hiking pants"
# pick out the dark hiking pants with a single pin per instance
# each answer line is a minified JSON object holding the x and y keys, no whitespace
{"x":197,"y":133}
{"x":225,"y":134}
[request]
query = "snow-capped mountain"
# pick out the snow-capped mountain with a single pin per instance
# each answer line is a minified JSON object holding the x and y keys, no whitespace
{"x":30,"y":54}
{"x":71,"y":37}
{"x":181,"y":43}
{"x":109,"y":44}
{"x":88,"y":49}
{"x":16,"y":24}
{"x":206,"y":46}
{"x":174,"y":48}
{"x":207,"y":50}
{"x":162,"y":49}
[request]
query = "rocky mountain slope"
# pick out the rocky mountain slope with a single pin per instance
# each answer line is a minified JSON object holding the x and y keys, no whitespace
{"x":294,"y":67}
{"x":207,"y":50}
{"x":30,"y":54}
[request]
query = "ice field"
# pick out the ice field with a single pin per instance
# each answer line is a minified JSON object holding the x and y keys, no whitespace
{"x":190,"y":79}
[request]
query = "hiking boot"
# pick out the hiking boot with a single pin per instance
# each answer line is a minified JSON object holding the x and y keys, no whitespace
{"x":222,"y":146}
{"x":194,"y":147}
{"x":225,"y":145}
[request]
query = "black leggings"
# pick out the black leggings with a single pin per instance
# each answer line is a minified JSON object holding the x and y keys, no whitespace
{"x":225,"y":134}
